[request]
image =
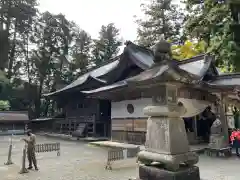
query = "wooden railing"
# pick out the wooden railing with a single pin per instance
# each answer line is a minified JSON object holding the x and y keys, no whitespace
{"x":81,"y":119}
{"x":70,"y":124}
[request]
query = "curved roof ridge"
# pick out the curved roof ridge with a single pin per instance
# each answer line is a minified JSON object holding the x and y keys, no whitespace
{"x":226,"y":76}
{"x":192,"y":59}
{"x":141,"y":57}
{"x":84,"y":79}
{"x":94,"y":74}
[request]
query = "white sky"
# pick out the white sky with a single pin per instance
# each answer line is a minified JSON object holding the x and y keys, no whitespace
{"x":90,"y":15}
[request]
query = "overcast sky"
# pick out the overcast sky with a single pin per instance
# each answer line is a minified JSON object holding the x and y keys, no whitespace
{"x":90,"y":15}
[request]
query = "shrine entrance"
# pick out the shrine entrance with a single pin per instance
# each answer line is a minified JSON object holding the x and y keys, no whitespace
{"x":198,"y":127}
{"x":198,"y":120}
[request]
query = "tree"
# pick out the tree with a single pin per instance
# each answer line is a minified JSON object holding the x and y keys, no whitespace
{"x":3,"y":78}
{"x":188,"y":50}
{"x":60,"y":51}
{"x":15,"y":17}
{"x":211,"y":21}
{"x":3,"y":81}
{"x":4,"y":105}
{"x":107,"y":46}
{"x":51,"y":36}
{"x":80,"y":54}
{"x":162,"y":18}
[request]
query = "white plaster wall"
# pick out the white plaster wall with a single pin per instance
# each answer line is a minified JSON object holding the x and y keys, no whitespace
{"x":119,"y":109}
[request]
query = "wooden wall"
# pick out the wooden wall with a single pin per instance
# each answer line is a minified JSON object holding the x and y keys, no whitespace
{"x":82,"y":107}
{"x":119,"y":109}
{"x":129,"y":130}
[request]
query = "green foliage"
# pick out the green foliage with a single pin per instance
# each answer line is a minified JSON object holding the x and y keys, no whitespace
{"x":107,"y":46}
{"x":59,"y":52}
{"x":16,"y":19}
{"x":211,"y":21}
{"x":188,"y":50}
{"x":80,"y":53}
{"x":4,"y":82}
{"x":162,"y":17}
{"x":4,"y":105}
{"x":3,"y":78}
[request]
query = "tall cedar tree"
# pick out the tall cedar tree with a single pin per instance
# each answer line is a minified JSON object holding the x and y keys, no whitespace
{"x":16,"y":17}
{"x":211,"y":21}
{"x":46,"y":49}
{"x":80,"y":55}
{"x":162,"y":17}
{"x":52,"y":35}
{"x":107,"y":45}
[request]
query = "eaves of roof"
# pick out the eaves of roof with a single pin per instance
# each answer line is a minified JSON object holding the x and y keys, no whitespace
{"x":193,"y":69}
{"x":139,"y":56}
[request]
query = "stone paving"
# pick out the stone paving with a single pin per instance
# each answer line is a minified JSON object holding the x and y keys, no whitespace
{"x":79,"y":161}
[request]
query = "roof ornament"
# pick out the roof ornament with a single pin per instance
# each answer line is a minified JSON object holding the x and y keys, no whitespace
{"x":162,"y":51}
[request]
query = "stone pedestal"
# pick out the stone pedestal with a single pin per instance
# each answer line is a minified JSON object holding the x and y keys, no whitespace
{"x":166,"y":139}
{"x":157,"y":173}
{"x":217,"y":141}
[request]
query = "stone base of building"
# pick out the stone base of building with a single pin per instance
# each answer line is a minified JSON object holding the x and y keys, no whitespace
{"x":157,"y":173}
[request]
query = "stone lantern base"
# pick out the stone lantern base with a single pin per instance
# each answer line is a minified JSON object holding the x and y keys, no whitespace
{"x":171,"y":162}
{"x":156,"y":173}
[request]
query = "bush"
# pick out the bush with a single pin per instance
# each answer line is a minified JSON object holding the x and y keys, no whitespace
{"x":4,"y":105}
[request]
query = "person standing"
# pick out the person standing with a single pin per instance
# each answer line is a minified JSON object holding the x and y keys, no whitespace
{"x":31,"y":142}
{"x":235,"y":140}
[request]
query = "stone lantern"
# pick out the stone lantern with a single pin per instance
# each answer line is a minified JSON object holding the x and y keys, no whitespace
{"x":166,"y":138}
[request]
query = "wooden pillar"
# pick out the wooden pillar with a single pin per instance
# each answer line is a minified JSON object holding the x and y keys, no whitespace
{"x":104,"y":129}
{"x":69,"y":125}
{"x":223,"y":118}
{"x":195,"y":127}
{"x":75,"y":125}
{"x":60,"y":127}
{"x":97,"y":116}
{"x":94,"y":126}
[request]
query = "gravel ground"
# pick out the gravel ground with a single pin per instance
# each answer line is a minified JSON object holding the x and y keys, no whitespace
{"x":79,"y":161}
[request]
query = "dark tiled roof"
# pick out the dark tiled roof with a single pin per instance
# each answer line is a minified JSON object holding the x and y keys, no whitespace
{"x":85,"y":79}
{"x":140,"y":56}
{"x":197,"y":65}
{"x":106,"y":88}
{"x":192,"y":69}
{"x":230,"y":80}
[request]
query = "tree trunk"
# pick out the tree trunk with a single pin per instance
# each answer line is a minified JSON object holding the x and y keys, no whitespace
{"x":38,"y":99}
{"x":4,"y":39}
{"x":46,"y":107}
{"x":12,"y":54}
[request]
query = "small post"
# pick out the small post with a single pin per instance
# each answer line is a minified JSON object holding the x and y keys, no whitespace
{"x":58,"y":147}
{"x":24,"y":169}
{"x":9,"y":161}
